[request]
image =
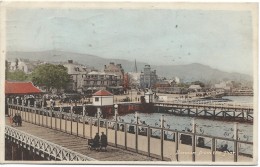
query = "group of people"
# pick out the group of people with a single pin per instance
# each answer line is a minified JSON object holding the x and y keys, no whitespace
{"x":100,"y":141}
{"x":17,"y":120}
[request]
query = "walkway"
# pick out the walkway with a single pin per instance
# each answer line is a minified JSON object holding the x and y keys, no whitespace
{"x":79,"y":144}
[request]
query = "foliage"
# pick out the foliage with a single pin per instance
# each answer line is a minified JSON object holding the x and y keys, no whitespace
{"x":198,"y":83}
{"x":51,"y":76}
{"x":16,"y":75}
{"x":183,"y":85}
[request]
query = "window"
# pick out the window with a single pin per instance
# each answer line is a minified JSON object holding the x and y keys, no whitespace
{"x":96,"y":98}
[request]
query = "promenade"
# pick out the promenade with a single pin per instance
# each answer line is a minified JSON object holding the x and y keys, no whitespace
{"x":131,"y":146}
{"x":79,"y":144}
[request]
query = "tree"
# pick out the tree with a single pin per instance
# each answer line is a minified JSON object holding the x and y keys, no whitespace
{"x":51,"y":76}
{"x":16,"y":75}
{"x":6,"y":68}
{"x":199,"y":83}
{"x":16,"y":63}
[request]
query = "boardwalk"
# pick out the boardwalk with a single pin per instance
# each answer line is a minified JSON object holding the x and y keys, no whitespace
{"x":79,"y":144}
{"x":145,"y":144}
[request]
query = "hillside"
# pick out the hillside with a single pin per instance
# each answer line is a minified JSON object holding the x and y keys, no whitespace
{"x":188,"y":72}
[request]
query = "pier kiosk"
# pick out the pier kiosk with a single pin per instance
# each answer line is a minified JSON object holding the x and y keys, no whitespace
{"x":149,"y":97}
{"x":102,"y":98}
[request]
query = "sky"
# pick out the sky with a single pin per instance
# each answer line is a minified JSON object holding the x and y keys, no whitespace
{"x":221,"y":39}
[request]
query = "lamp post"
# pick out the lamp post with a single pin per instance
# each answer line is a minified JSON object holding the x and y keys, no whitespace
{"x":116,"y":111}
{"x":84,"y":110}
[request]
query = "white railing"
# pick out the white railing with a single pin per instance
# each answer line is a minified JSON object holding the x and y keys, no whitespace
{"x":46,"y":147}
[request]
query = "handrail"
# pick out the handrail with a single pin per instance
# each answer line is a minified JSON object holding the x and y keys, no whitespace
{"x":146,"y":126}
{"x":61,"y":153}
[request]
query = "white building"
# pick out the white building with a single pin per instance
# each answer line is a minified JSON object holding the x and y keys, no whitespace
{"x":196,"y":88}
{"x":77,"y":74}
{"x":103,"y":98}
{"x":149,"y":97}
{"x":25,"y":65}
{"x":223,"y":85}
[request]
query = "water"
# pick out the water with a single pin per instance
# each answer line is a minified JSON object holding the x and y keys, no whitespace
{"x":240,"y":99}
{"x":204,"y":126}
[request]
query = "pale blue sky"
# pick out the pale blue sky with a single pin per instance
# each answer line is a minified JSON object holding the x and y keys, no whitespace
{"x":220,"y":39}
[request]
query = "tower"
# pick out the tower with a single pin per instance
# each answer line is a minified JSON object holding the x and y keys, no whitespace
{"x":135,"y":70}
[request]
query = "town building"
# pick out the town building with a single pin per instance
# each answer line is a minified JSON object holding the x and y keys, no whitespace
{"x":77,"y":73}
{"x":226,"y":86}
{"x":111,"y":79}
{"x":25,"y":65}
{"x":148,"y":78}
{"x":195,"y":88}
{"x":103,"y":98}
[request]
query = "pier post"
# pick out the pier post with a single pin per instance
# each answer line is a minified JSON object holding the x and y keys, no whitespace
{"x":56,"y":113}
{"x":51,"y":118}
{"x":39,"y":117}
{"x":177,"y":145}
{"x":66,"y":117}
{"x":84,"y":110}
{"x":193,"y":139}
{"x":235,"y":142}
{"x":162,"y":139}
{"x":60,"y":116}
{"x":98,"y":116}
{"x":116,"y":132}
{"x":162,"y":135}
{"x":77,"y":124}
{"x":46,"y":118}
{"x":34,"y":112}
{"x":42,"y":117}
{"x":213,"y":149}
{"x":71,"y":110}
{"x":106,"y":127}
{"x":243,"y":115}
{"x":136,"y":131}
{"x":116,"y":113}
{"x":148,"y":140}
{"x":125,"y":129}
{"x":90,"y":130}
{"x":83,"y":119}
{"x":12,"y":151}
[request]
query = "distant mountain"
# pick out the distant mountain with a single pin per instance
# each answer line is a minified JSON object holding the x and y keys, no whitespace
{"x":189,"y":72}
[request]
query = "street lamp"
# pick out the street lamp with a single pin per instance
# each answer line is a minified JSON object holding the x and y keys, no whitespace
{"x":116,"y":111}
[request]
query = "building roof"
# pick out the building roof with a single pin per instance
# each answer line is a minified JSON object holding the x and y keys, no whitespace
{"x":20,"y":88}
{"x":102,"y":93}
{"x":195,"y":87}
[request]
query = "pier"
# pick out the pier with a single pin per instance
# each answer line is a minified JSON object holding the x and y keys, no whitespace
{"x":71,"y":131}
{"x":223,"y":111}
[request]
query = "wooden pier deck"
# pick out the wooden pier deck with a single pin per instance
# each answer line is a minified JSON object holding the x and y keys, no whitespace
{"x":79,"y":144}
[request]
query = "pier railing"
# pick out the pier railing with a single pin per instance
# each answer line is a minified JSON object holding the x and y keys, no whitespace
{"x":159,"y":142}
{"x":43,"y":147}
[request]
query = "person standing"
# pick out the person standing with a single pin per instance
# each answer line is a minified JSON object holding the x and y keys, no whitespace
{"x":15,"y":119}
{"x":19,"y":120}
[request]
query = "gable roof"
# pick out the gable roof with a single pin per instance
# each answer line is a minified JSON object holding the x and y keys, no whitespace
{"x":20,"y":88}
{"x":102,"y":93}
